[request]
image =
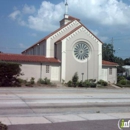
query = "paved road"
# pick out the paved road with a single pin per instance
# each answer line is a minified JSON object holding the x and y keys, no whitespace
{"x":81,"y":125}
{"x":43,"y":105}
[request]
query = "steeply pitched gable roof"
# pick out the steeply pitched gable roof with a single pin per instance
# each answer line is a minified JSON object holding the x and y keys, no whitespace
{"x":45,"y":38}
{"x":27,"y":58}
{"x":71,"y":18}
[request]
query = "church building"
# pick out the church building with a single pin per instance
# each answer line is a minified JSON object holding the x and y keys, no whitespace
{"x":71,"y":48}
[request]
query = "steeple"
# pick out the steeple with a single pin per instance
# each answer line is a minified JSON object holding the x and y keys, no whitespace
{"x":66,"y":7}
{"x":67,"y":18}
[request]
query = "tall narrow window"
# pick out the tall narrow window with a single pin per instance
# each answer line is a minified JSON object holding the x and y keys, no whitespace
{"x":110,"y":71}
{"x":47,"y":68}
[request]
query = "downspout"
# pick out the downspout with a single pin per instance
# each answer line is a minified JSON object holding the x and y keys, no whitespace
{"x":41,"y":71}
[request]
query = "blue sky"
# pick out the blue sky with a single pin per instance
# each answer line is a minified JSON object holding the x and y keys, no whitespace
{"x":24,"y":22}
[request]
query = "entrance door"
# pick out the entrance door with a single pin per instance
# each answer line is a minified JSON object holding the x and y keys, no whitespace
{"x":55,"y":71}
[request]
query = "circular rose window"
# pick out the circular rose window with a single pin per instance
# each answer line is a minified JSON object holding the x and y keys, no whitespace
{"x":81,"y":51}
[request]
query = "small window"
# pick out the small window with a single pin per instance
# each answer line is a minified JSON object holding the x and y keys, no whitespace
{"x":47,"y":68}
{"x":110,"y":71}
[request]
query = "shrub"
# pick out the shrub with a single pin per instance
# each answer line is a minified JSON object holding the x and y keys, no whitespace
{"x":120,"y":78}
{"x":86,"y":83}
{"x":80,"y":84}
{"x":3,"y":127}
{"x":123,"y":82}
{"x":47,"y":81}
{"x":128,"y":82}
{"x":75,"y":79}
{"x":44,"y":81}
{"x":40,"y":81}
{"x":93,"y":85}
{"x":32,"y":81}
{"x":92,"y":80}
{"x":102,"y":82}
{"x":9,"y":73}
{"x":69,"y":84}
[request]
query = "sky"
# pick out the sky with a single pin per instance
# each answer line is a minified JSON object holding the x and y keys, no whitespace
{"x":24,"y":22}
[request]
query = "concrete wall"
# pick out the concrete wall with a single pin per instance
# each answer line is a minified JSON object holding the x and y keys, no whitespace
{"x":110,"y":77}
{"x":37,"y":70}
{"x":50,"y":41}
{"x":69,"y":63}
{"x":58,"y":51}
{"x":39,"y":49}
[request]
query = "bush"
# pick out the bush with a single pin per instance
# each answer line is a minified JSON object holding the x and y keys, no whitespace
{"x":9,"y":73}
{"x":40,"y":81}
{"x":123,"y":82}
{"x":44,"y":81}
{"x":86,"y":83}
{"x":80,"y":84}
{"x":93,"y":85}
{"x":75,"y":79}
{"x":102,"y":82}
{"x":32,"y":81}
{"x":69,"y":84}
{"x":120,"y":78}
{"x":3,"y":127}
{"x":47,"y":81}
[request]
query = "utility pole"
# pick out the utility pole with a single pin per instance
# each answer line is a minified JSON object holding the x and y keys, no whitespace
{"x":112,"y":41}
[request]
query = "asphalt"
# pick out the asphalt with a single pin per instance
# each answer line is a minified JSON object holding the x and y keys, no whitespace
{"x":48,"y":108}
{"x":78,"y":125}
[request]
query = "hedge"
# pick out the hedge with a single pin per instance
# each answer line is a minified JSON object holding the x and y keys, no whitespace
{"x":9,"y":72}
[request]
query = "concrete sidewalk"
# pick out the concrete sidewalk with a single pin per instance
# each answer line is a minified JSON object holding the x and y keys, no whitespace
{"x":62,"y":118}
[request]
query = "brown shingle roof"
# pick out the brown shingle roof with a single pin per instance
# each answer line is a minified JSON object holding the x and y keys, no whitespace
{"x":27,"y":58}
{"x":108,"y":63}
{"x":73,"y":18}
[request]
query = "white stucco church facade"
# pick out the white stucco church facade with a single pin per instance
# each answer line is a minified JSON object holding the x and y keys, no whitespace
{"x":71,"y":48}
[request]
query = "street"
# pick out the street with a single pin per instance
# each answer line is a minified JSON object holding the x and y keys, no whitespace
{"x":63,"y":106}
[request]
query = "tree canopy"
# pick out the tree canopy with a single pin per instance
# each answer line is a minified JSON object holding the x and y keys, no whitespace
{"x":108,"y":55}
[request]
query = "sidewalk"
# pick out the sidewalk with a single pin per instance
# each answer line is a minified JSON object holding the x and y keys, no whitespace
{"x":62,"y":118}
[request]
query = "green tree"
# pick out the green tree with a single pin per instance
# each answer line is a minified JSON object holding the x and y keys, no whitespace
{"x":127,"y":61}
{"x":108,"y":52}
{"x":9,"y":73}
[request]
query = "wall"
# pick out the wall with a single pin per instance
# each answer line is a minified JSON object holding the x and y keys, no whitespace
{"x":50,"y":41}
{"x":69,"y":63}
{"x":38,"y":49}
{"x":37,"y":70}
{"x":113,"y":77}
{"x":58,"y":51}
{"x":110,"y":77}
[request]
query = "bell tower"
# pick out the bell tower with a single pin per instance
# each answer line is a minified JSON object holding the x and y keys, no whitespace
{"x":65,"y":20}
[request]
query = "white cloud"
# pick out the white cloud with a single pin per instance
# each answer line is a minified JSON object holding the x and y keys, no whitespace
{"x":28,"y":9}
{"x":14,"y":14}
{"x":47,"y":17}
{"x":103,"y":12}
{"x":97,"y":33}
